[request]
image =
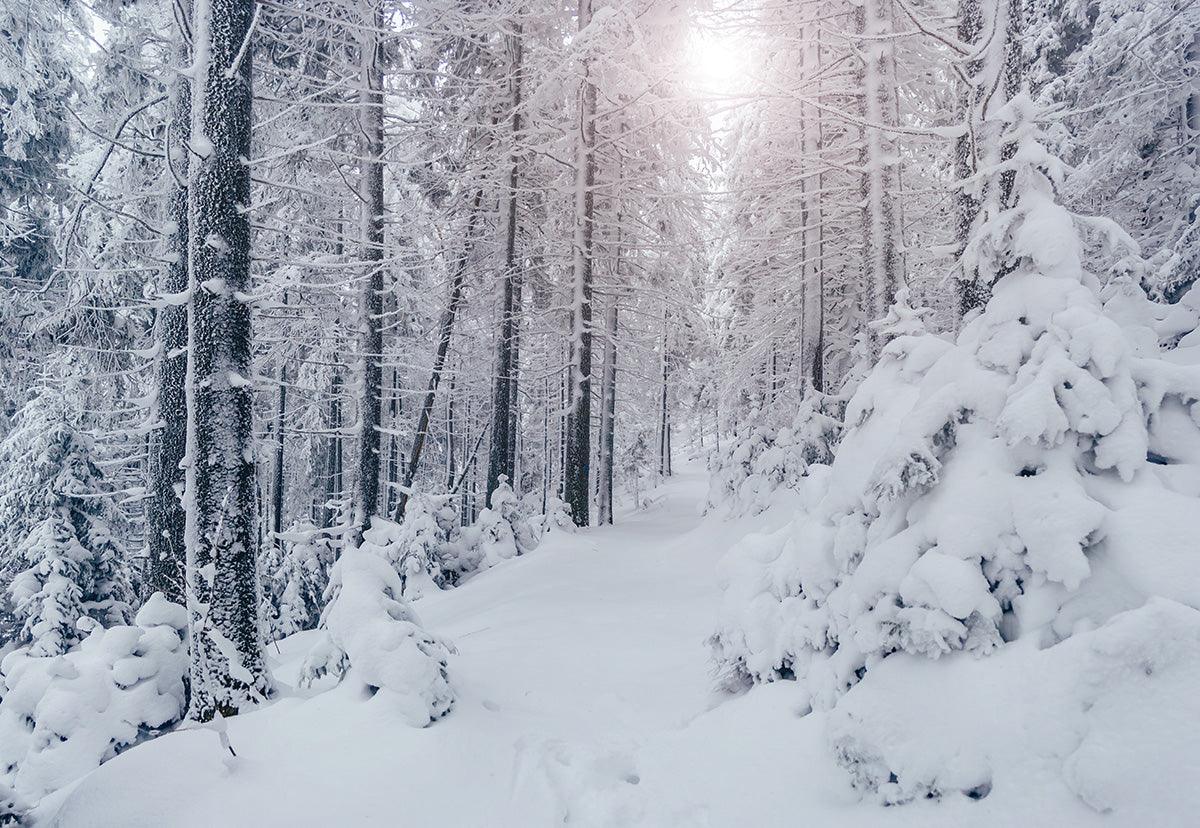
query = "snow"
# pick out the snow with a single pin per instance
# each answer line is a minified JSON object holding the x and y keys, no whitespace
{"x":62,"y":715}
{"x":583,"y":698}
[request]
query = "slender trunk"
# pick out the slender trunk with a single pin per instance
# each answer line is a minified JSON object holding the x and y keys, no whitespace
{"x":393,"y":465}
{"x":227,"y":669}
{"x":464,"y":508}
{"x":880,"y":159}
{"x":445,"y":331}
{"x":813,"y":322}
{"x":514,"y":402}
{"x":547,"y":468}
{"x":500,"y":458}
{"x":333,"y":481}
{"x":450,"y":468}
{"x":972,"y":293}
{"x":608,"y":409}
{"x":371,"y":313}
{"x":165,"y":517}
{"x":277,"y":492}
{"x":664,"y":450}
{"x":579,"y":389}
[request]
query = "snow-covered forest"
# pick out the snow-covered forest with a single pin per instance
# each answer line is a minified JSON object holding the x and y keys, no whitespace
{"x":599,"y":412}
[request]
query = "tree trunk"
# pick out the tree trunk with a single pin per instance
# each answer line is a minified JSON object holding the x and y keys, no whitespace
{"x":608,"y":410}
{"x":227,"y":670}
{"x":880,"y":159}
{"x":579,"y":388}
{"x":500,"y":458}
{"x":165,"y":517}
{"x":664,"y":440}
{"x":371,"y":322}
{"x":813,"y":320}
{"x":393,"y":465}
{"x":445,"y":331}
{"x":333,"y":481}
{"x":451,"y":470}
{"x":972,"y":293}
{"x":277,"y":490}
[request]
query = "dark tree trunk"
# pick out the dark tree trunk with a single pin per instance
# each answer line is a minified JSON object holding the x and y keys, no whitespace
{"x":227,"y":670}
{"x":395,"y":408}
{"x":608,"y":410}
{"x":445,"y":332}
{"x":333,"y":480}
{"x":277,"y":490}
{"x":165,"y":516}
{"x":972,"y":293}
{"x":577,"y":466}
{"x":501,"y":455}
{"x":371,"y":322}
{"x":451,"y":471}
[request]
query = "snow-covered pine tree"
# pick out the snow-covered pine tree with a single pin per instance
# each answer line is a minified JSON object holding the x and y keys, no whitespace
{"x":420,"y":547}
{"x":61,"y":558}
{"x":964,"y":506}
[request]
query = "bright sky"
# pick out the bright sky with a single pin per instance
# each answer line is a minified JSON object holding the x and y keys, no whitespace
{"x":717,"y":61}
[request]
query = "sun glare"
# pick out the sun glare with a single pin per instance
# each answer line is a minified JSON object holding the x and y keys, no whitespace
{"x":716,"y":61}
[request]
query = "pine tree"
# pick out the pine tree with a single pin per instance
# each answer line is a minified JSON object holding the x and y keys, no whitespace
{"x":61,"y":558}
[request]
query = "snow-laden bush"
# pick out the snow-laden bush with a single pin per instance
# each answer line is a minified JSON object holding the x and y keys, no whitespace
{"x":297,"y":572}
{"x":420,"y":547}
{"x":370,"y":635}
{"x":764,"y":458}
{"x":500,"y":532}
{"x":556,"y":518}
{"x":60,"y":554}
{"x":63,"y":715}
{"x":1022,"y":483}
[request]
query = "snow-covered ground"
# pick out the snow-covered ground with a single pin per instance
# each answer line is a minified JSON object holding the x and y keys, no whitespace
{"x":584,"y":699}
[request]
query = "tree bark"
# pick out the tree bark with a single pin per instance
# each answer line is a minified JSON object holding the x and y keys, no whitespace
{"x":371,"y":390}
{"x":227,"y":670}
{"x":277,"y":490}
{"x":579,"y":388}
{"x":813,"y":319}
{"x":501,"y":455}
{"x":445,"y":332}
{"x":880,"y":220}
{"x":664,"y":433}
{"x":166,"y":519}
{"x":608,"y":409}
{"x":393,"y":465}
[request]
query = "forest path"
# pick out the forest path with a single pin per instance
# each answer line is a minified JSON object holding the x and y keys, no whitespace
{"x":597,"y":634}
{"x":584,"y":698}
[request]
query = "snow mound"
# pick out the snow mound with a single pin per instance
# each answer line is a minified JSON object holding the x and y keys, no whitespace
{"x":370,"y":635}
{"x":63,"y":715}
{"x":1100,"y":715}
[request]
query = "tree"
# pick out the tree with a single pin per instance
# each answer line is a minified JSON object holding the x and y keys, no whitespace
{"x":371,"y":309}
{"x":579,"y":379}
{"x":165,"y":517}
{"x":227,"y":670}
{"x":61,"y":558}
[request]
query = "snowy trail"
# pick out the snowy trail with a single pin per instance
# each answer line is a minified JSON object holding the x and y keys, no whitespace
{"x":584,"y":699}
